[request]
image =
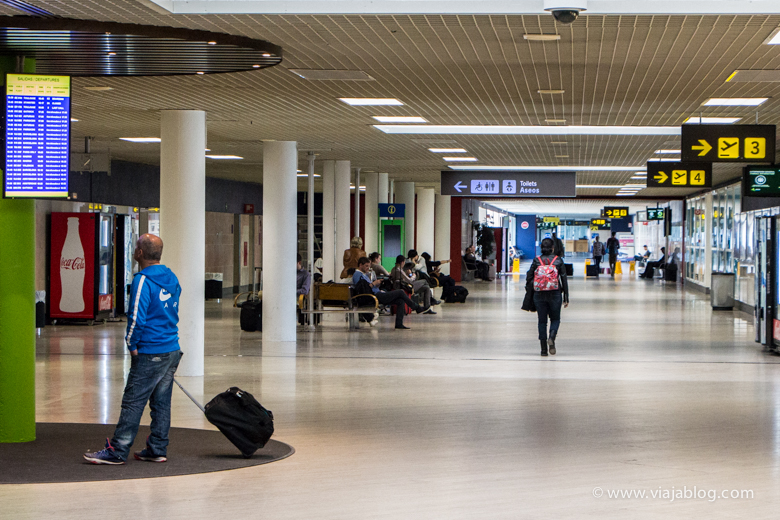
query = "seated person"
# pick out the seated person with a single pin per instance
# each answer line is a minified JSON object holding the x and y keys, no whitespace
{"x":644,"y":257}
{"x":402,"y":276}
{"x":376,"y":265}
{"x":434,"y":270}
{"x":650,"y":267}
{"x":351,"y":256}
{"x":303,"y":285}
{"x":482,"y":268}
{"x":399,"y":298}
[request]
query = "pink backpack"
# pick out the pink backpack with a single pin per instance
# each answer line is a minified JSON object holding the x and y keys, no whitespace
{"x":546,"y":276}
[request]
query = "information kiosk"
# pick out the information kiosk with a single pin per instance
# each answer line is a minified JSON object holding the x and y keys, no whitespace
{"x":392,"y":233}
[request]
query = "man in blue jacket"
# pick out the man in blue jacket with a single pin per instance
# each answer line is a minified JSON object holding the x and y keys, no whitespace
{"x":153,"y":341}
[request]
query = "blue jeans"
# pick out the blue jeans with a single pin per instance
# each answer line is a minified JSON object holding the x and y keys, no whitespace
{"x":150,"y":379}
{"x":548,"y":303}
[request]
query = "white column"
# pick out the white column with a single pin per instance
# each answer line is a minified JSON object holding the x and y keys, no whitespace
{"x":391,"y":192}
{"x":328,"y":220}
{"x":342,"y":214}
{"x":382,"y":188}
{"x":442,"y":238}
{"x":404,"y":194}
{"x":425,"y":220}
{"x":371,"y":243}
{"x":183,"y":224}
{"x":280,"y":161}
{"x":356,"y":225}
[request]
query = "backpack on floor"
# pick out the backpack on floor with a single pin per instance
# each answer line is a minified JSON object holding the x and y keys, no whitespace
{"x":546,"y":276}
{"x":457,"y":295}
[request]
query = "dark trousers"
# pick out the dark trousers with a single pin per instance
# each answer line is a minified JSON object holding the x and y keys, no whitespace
{"x":597,"y":261}
{"x":548,"y":304}
{"x":612,"y":263}
{"x":483,"y":270}
{"x":397,"y":298}
{"x":650,"y":269}
{"x":150,"y":380}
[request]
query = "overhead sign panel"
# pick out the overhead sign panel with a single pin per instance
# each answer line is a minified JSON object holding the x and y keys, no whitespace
{"x":729,"y":143}
{"x":392,"y":210}
{"x":37,"y":136}
{"x":656,"y":213}
{"x":761,"y":181}
{"x":599,"y":224}
{"x":678,"y":175}
{"x":466,"y":183}
{"x":615,"y":211}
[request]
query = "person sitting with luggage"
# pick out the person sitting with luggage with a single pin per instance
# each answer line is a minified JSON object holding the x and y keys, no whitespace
{"x":652,"y":266}
{"x":403,"y":277}
{"x":482,"y":268}
{"x":376,"y":265}
{"x":433,"y":268}
{"x":644,"y":257}
{"x":363,"y":285}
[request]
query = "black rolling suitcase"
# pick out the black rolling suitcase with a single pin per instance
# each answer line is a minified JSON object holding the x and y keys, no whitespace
{"x":569,"y":269}
{"x":591,"y":270}
{"x":240,"y":418}
{"x":252,"y":316}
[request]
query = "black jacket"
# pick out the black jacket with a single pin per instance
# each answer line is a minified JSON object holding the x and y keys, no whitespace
{"x":559,"y":250}
{"x":529,"y":277}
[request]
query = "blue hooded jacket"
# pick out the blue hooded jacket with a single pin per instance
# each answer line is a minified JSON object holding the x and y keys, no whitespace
{"x":153,"y":317}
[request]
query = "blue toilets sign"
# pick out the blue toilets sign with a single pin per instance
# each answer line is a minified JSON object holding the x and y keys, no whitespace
{"x":484,"y":183}
{"x":392,"y":210}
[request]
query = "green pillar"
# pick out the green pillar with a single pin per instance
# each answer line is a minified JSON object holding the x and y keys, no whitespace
{"x":17,"y":307}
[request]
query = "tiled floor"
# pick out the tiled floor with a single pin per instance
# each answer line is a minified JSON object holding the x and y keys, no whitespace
{"x":458,"y":417}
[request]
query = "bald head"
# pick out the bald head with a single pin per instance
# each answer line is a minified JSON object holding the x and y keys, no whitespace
{"x":149,"y":248}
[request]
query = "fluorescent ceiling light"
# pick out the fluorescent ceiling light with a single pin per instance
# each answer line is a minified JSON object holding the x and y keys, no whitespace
{"x":460,"y":159}
{"x":528,"y":130}
{"x":370,"y":101}
{"x":562,"y":156}
{"x":639,"y":177}
{"x":554,"y":120}
{"x":711,"y":120}
{"x":658,"y":159}
{"x":734,"y":102}
{"x":400,"y":119}
{"x":225,"y":157}
{"x":559,"y":142}
{"x":306,"y":175}
{"x":668,"y":151}
{"x":352,"y":187}
{"x":141,"y":139}
{"x":74,"y":120}
{"x":541,"y":37}
{"x":551,"y":91}
{"x":600,"y":186}
{"x":447,"y":150}
{"x":548,"y":168}
{"x":774,"y":38}
{"x":624,"y":194}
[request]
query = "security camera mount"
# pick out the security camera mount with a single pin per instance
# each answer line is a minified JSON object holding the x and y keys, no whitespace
{"x":565,"y":11}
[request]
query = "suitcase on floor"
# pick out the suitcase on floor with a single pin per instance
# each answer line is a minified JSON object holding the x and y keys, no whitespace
{"x":591,"y":270}
{"x":569,"y":269}
{"x":458,"y":295}
{"x":240,"y":418}
{"x":251,"y":319}
{"x":670,"y":273}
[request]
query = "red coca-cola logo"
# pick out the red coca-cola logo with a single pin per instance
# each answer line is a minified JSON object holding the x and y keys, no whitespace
{"x":73,"y":263}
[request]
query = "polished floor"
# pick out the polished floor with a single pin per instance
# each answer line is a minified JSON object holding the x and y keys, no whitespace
{"x":458,"y":418}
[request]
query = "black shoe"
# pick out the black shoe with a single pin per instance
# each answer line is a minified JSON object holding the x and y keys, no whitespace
{"x":435,"y":302}
{"x":429,"y":311}
{"x":422,"y":309}
{"x":543,"y":342}
{"x":402,"y":327}
{"x":551,"y":345}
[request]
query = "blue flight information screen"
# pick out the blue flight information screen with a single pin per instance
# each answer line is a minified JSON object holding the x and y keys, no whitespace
{"x":37,"y":136}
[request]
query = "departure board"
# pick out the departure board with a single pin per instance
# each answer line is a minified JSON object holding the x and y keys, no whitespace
{"x":37,"y":136}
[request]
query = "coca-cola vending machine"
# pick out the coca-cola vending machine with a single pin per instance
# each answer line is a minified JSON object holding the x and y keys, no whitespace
{"x":78,"y":279}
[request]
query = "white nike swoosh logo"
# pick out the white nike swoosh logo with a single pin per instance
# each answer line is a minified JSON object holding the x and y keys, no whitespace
{"x":163,"y":296}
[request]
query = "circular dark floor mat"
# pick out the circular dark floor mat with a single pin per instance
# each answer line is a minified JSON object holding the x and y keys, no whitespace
{"x":56,"y":455}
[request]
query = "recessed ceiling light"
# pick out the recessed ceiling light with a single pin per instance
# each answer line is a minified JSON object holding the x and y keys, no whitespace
{"x":212,"y":42}
{"x":559,"y":142}
{"x":554,"y":120}
{"x":528,"y":130}
{"x":74,"y":120}
{"x":734,"y":102}
{"x":208,"y":149}
{"x":551,"y":91}
{"x":225,"y":157}
{"x":460,"y":159}
{"x":562,"y":156}
{"x":256,"y":66}
{"x":112,"y":54}
{"x":447,"y":150}
{"x":200,"y":72}
{"x":266,"y":55}
{"x":400,"y":119}
{"x":696,"y":120}
{"x":541,"y":37}
{"x":548,"y":168}
{"x":98,"y":89}
{"x":668,"y":151}
{"x":774,"y":38}
{"x":141,"y":139}
{"x":371,"y":101}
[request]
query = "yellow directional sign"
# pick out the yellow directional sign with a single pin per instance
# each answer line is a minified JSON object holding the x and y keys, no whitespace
{"x":678,"y":175}
{"x":616,"y":212}
{"x":552,"y":220}
{"x":728,"y":143}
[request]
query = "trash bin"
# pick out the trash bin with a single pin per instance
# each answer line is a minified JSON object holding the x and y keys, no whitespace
{"x":213,"y":286}
{"x":722,"y":291}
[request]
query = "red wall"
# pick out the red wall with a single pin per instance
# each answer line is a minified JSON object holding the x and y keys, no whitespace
{"x":455,"y":250}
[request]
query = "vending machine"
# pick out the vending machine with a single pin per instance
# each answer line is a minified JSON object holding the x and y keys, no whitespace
{"x":81,"y":273}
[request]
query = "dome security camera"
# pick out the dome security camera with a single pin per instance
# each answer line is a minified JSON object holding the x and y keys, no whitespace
{"x":565,"y":11}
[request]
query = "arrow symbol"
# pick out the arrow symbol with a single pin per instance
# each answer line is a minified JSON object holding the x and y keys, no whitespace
{"x":661,"y":177}
{"x":460,"y":187}
{"x":704,"y":146}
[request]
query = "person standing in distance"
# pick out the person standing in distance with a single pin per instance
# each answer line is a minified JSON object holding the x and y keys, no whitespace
{"x":613,"y":245}
{"x":153,"y":341}
{"x":598,"y":253}
{"x":546,"y":280}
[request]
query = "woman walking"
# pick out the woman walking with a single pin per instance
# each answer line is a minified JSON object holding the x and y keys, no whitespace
{"x":546,"y":281}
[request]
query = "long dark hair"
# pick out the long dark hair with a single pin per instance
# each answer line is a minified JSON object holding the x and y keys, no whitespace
{"x":547,"y":246}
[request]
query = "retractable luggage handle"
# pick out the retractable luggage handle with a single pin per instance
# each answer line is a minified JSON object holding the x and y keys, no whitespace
{"x":202,"y":408}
